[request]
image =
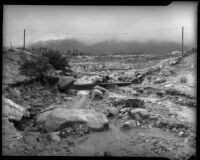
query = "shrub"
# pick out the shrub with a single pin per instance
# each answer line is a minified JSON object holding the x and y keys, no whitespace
{"x":35,"y":67}
{"x":57,"y":60}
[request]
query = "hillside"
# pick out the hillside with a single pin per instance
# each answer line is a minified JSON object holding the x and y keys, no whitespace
{"x":112,"y":47}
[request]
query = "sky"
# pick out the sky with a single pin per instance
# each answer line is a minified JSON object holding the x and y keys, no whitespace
{"x":93,"y":24}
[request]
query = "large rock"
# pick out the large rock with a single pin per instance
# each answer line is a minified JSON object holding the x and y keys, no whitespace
{"x":15,"y":92}
{"x":159,"y":80}
{"x":139,"y":113}
{"x":96,"y":94}
{"x":65,"y":82}
{"x":56,"y":119}
{"x":112,"y":111}
{"x":13,"y":111}
{"x":55,"y":136}
{"x":128,"y":124}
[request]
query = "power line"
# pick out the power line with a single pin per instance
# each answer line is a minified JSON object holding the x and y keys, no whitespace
{"x":124,"y":33}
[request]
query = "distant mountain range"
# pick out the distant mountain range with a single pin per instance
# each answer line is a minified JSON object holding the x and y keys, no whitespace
{"x":112,"y":47}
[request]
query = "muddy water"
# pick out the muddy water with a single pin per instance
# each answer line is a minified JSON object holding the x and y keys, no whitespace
{"x":113,"y":141}
{"x":117,"y":142}
{"x":185,"y":113}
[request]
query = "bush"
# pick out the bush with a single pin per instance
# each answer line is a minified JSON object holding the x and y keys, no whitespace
{"x":35,"y":68}
{"x":56,"y":59}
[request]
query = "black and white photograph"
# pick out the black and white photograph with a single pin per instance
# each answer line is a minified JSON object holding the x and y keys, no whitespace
{"x":100,"y":80}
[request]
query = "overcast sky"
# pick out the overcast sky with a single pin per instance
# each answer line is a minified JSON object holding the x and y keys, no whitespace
{"x":93,"y":24}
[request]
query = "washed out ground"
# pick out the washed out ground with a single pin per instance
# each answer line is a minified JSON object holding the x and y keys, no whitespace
{"x":168,"y":94}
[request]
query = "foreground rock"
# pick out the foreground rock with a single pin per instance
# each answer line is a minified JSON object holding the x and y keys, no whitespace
{"x":96,"y":94}
{"x":55,"y":136}
{"x":57,"y":119}
{"x":65,"y":82}
{"x":112,"y":111}
{"x":13,"y":111}
{"x":129,"y":124}
{"x":159,"y":80}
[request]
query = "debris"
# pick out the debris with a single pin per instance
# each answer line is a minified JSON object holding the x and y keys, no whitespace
{"x":159,"y":80}
{"x":186,"y":140}
{"x":128,"y":124}
{"x":141,"y":134}
{"x":180,"y":134}
{"x":138,"y":123}
{"x":55,"y":136}
{"x":15,"y":92}
{"x":68,"y":98}
{"x":132,"y":103}
{"x":139,"y":113}
{"x":125,"y":110}
{"x":100,"y":88}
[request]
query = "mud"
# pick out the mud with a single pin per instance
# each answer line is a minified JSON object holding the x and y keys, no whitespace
{"x":170,"y":130}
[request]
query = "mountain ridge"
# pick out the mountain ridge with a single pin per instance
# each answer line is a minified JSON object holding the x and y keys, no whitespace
{"x":111,"y":46}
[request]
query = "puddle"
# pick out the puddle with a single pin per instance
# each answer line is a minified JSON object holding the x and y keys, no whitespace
{"x":118,"y":142}
{"x":185,"y":113}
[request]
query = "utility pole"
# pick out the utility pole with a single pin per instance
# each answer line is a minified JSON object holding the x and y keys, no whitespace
{"x":24,"y":37}
{"x":10,"y":45}
{"x":182,"y":39}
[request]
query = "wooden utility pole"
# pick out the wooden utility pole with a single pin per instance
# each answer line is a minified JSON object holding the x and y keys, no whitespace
{"x":10,"y":45}
{"x":182,"y":39}
{"x":24,"y":38}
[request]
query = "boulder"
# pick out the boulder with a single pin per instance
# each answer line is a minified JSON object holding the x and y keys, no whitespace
{"x":96,"y":94}
{"x":113,"y":111}
{"x":13,"y":111}
{"x":56,"y":119}
{"x":100,"y":88}
{"x":139,"y":113}
{"x":129,"y":124}
{"x":55,"y":136}
{"x":159,"y":80}
{"x":65,"y":82}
